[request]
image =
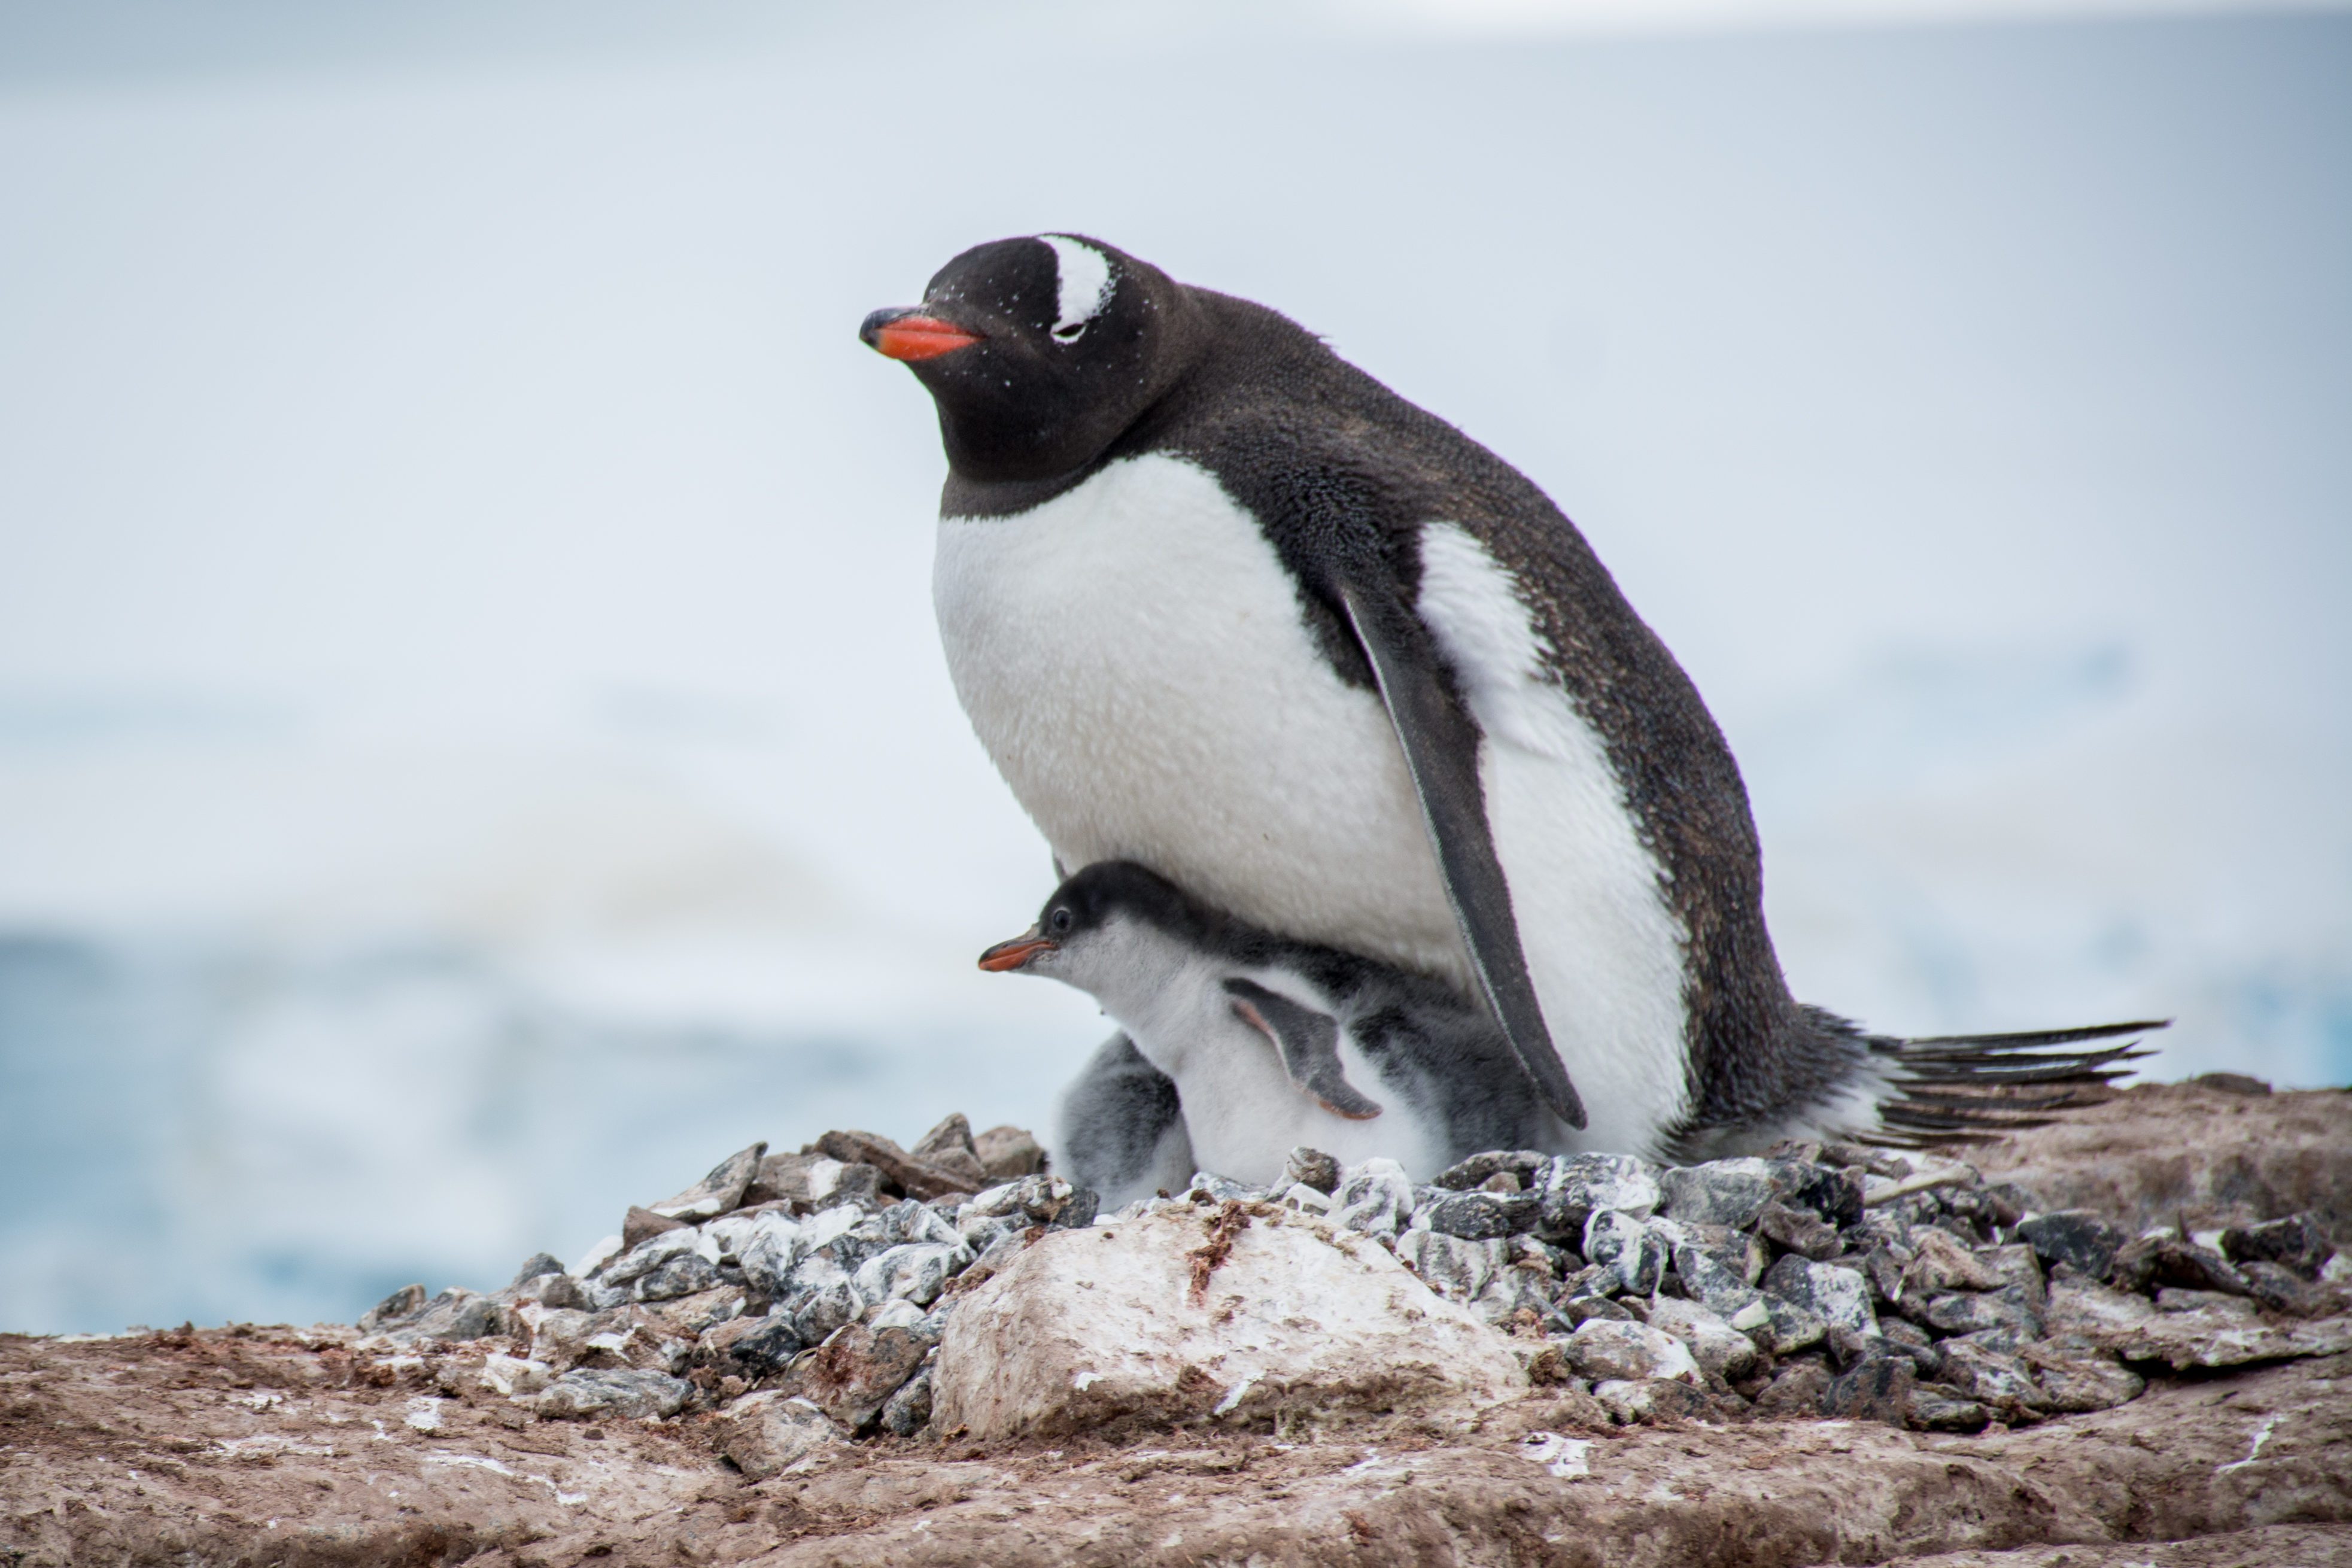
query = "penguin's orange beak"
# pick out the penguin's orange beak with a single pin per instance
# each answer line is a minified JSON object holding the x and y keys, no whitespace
{"x":908,"y":334}
{"x":1016,"y":954}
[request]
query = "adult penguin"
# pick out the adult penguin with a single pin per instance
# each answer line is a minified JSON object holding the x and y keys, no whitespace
{"x":1219,"y":603}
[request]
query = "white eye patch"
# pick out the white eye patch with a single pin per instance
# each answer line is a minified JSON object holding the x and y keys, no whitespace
{"x":1082,"y":275}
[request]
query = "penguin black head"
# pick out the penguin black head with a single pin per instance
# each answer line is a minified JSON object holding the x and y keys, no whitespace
{"x":1109,"y":906}
{"x":1039,"y":352}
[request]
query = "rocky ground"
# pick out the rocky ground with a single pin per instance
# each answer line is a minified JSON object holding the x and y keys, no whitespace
{"x":1161,"y":1387}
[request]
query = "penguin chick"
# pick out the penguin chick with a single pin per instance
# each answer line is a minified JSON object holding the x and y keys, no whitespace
{"x":1269,"y":1043}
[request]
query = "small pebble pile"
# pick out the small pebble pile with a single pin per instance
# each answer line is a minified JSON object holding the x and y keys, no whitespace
{"x":805,"y":1295}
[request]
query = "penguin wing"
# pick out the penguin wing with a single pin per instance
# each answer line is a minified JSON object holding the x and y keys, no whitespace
{"x":1308,"y":1043}
{"x":1441,"y":743}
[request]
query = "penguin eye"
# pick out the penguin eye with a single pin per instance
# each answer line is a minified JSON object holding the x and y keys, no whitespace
{"x":1070,"y":334}
{"x":1060,"y":920}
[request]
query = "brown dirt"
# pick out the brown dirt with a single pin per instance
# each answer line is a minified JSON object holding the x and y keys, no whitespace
{"x":2157,"y":1152}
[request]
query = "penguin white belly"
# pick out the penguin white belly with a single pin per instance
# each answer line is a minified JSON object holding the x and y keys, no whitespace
{"x":1604,"y":950}
{"x":1132,"y":656}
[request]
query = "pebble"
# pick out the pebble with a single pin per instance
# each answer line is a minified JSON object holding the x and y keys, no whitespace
{"x":2076,"y":1237}
{"x":1374,"y":1198}
{"x":768,"y":1433}
{"x":1837,"y":1295}
{"x":1604,"y":1348}
{"x":1632,"y":1249}
{"x":1942,"y":1306}
{"x":1875,"y":1388}
{"x":633,"y":1395}
{"x":2295,"y":1243}
{"x":1311,"y":1168}
{"x":1719,"y":1349}
{"x":1570,"y":1188}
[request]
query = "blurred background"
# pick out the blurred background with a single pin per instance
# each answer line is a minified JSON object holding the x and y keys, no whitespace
{"x":473,"y":749}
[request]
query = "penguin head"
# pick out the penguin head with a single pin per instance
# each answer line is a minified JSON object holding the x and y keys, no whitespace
{"x":1039,"y":352}
{"x":1115,"y":929}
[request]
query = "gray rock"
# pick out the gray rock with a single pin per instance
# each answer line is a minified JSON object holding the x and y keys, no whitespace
{"x":1839,"y":1296}
{"x":1373,"y":1198}
{"x":1208,"y":1188}
{"x":753,"y":1348}
{"x":1311,"y":1168}
{"x":394,"y":1310}
{"x":1974,"y":1311}
{"x":911,"y":1221}
{"x":2017,"y":1266}
{"x":2080,"y":1383}
{"x":1743,"y":1255}
{"x":1632,"y":1249}
{"x":2282,"y":1290}
{"x":1933,"y":1408}
{"x":1798,"y":1231}
{"x":1079,"y":1212}
{"x":853,"y":1372}
{"x":767,"y":1433}
{"x":1570,"y":1188}
{"x":1723,"y":1192}
{"x":1940,"y":1263}
{"x":2165,"y":1257}
{"x":686,"y":1274}
{"x":1604,"y":1348}
{"x":1796,"y":1391}
{"x":1008,"y":1152}
{"x":719,"y":1191}
{"x":1039,"y":1198}
{"x":948,"y":1147}
{"x":632,"y":1396}
{"x":1707,"y":1281}
{"x":1474,"y":1172}
{"x":1778,"y":1326}
{"x":767,"y":1248}
{"x":2001,"y":1382}
{"x":454,"y":1315}
{"x":917,"y":1271}
{"x":1832,"y":1193}
{"x":816,"y":1311}
{"x":647,"y":1256}
{"x":1583,"y":1309}
{"x":1480,"y":1215}
{"x":2076,"y":1237}
{"x":1634,"y":1401}
{"x":908,"y":1411}
{"x":1720,"y":1349}
{"x":1875,"y":1388}
{"x":536,"y":1265}
{"x":1458,"y":1269}
{"x":2295,"y":1243}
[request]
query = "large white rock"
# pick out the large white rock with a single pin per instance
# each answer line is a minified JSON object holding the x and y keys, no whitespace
{"x":1104,"y":1324}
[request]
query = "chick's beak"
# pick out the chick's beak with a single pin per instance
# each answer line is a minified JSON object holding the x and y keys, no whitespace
{"x":907,"y":334}
{"x":1016,"y":953}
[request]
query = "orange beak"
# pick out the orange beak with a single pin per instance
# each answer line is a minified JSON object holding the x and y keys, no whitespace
{"x":911,"y":335}
{"x":1007,"y":957}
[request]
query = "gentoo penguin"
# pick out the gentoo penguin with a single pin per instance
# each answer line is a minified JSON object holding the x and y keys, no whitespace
{"x":1219,"y":603}
{"x":1270,"y":1044}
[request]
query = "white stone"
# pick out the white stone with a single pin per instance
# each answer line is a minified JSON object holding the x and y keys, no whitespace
{"x":511,"y":1375}
{"x":1299,"y":1314}
{"x":770,"y":1433}
{"x":1718,"y":1346}
{"x":1374,"y":1198}
{"x":1605,"y":1348}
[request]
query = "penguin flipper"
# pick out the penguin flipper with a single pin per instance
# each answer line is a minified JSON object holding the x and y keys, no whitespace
{"x":1308,"y":1043}
{"x":1441,"y":752}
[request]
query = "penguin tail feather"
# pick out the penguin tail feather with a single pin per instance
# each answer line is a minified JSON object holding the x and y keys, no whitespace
{"x":1971,"y":1089}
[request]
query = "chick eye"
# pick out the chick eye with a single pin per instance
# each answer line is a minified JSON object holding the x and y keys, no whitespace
{"x":1061,"y":920}
{"x":1070,"y":334}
